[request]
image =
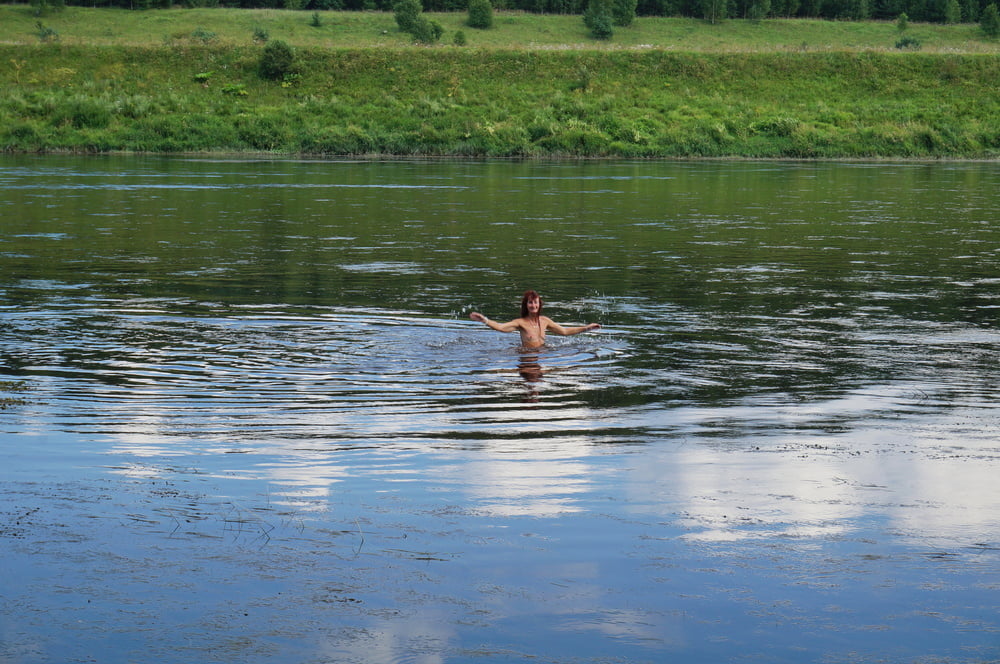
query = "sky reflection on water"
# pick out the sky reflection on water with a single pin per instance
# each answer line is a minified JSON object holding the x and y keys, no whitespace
{"x":266,"y":430}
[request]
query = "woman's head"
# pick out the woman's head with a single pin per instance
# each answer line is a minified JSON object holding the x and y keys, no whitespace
{"x":530,"y":296}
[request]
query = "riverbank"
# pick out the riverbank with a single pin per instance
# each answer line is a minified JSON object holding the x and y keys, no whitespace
{"x":186,"y":94}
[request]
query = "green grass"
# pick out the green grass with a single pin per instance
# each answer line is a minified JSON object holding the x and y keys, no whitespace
{"x":116,"y":27}
{"x":534,"y":86}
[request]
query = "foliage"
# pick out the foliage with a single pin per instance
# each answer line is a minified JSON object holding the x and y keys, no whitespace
{"x":46,"y":33}
{"x":953,"y":12}
{"x":990,"y":21}
{"x":426,"y":31}
{"x":459,"y":38}
{"x":260,"y":35}
{"x":315,"y":21}
{"x":203,"y":35}
{"x":903,"y":22}
{"x":480,"y":14}
{"x":759,"y":10}
{"x":514,"y":101}
{"x":277,"y":60}
{"x":714,"y":11}
{"x":235,"y":89}
{"x":623,"y":12}
{"x":599,"y":18}
{"x":406,"y":13}
{"x":44,"y":7}
{"x":910,"y":43}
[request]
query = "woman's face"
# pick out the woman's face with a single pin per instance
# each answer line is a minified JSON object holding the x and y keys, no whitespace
{"x":533,"y":304}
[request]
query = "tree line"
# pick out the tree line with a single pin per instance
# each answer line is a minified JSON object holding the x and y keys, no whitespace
{"x":931,"y":11}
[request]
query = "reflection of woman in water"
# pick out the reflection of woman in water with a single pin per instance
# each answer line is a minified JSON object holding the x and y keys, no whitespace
{"x":532,"y":324}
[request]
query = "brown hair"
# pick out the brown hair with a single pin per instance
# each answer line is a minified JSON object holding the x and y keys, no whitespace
{"x":530,"y":295}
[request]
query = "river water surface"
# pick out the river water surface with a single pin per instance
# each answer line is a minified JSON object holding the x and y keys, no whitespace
{"x":247,"y":419}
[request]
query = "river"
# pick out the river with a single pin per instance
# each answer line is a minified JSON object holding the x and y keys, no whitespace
{"x":246,"y":416}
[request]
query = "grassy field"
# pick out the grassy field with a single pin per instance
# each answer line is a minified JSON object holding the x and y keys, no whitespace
{"x":113,"y":27}
{"x":533,"y":86}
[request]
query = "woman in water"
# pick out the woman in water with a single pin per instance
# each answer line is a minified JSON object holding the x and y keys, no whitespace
{"x":532,"y":324}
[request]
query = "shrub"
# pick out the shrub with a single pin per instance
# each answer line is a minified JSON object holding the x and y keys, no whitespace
{"x":623,"y":12}
{"x":277,"y":60}
{"x":910,"y":43}
{"x":235,"y":89}
{"x":83,"y":112}
{"x":45,"y":33}
{"x":203,"y":35}
{"x":426,"y":31}
{"x":903,"y":22}
{"x":970,"y":11}
{"x":315,"y":20}
{"x":43,"y":7}
{"x":480,"y":14}
{"x":260,"y":35}
{"x":990,"y":21}
{"x":953,"y":12}
{"x":459,"y":39}
{"x":598,"y":18}
{"x":406,"y":13}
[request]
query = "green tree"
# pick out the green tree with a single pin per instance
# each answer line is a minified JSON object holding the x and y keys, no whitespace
{"x":480,"y":14}
{"x":714,"y":11}
{"x":599,"y":18}
{"x":43,"y":7}
{"x":426,"y":31}
{"x":903,"y":22}
{"x":759,"y":10}
{"x":953,"y":12}
{"x":277,"y":60}
{"x":990,"y":20}
{"x":406,"y":13}
{"x":623,"y":12}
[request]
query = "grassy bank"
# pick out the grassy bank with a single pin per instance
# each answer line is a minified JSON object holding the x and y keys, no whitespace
{"x":190,"y":94}
{"x":224,"y":27}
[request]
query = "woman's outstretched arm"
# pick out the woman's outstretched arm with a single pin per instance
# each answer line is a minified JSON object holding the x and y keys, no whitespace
{"x":569,"y":331}
{"x":499,"y":327}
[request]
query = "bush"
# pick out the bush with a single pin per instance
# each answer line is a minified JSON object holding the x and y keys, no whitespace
{"x":623,"y":12}
{"x":260,"y":35}
{"x":45,"y":33}
{"x":83,"y":112}
{"x":911,"y":43}
{"x":426,"y":31}
{"x":953,"y":12}
{"x":203,"y":35}
{"x":277,"y":61}
{"x":903,"y":22}
{"x":480,"y":14}
{"x":990,"y":21}
{"x":459,"y":39}
{"x":43,"y":7}
{"x":406,"y":13}
{"x":315,"y":20}
{"x":598,"y":18}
